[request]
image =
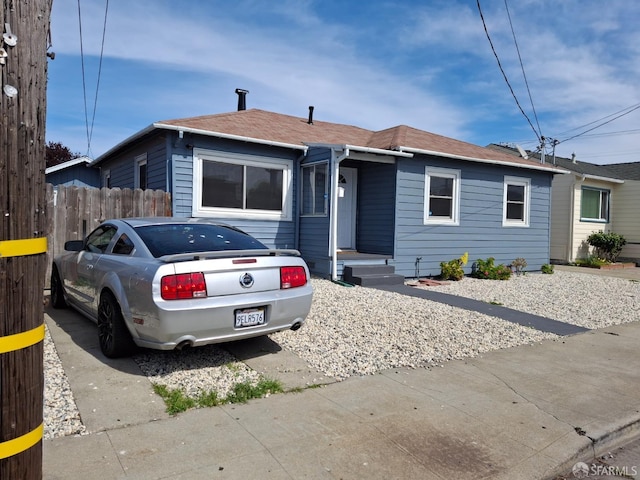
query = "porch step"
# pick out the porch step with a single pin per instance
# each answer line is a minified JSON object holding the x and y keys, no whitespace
{"x":369,"y":275}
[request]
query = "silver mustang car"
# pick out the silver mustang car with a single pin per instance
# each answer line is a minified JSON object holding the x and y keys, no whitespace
{"x":167,"y":283}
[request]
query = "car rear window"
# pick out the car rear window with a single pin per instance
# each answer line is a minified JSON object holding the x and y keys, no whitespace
{"x":171,"y":239}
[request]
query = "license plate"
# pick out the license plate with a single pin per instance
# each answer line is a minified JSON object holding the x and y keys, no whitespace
{"x":249,"y":318}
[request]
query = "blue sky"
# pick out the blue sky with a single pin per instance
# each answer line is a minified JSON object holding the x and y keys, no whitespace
{"x":374,"y":64}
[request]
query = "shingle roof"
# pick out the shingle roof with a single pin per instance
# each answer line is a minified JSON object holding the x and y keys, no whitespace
{"x":627,"y":171}
{"x":275,"y":127}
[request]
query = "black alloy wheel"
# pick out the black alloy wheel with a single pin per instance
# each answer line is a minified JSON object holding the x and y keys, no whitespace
{"x":113,"y":335}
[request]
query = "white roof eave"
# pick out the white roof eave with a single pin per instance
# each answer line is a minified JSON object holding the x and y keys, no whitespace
{"x":484,"y":160}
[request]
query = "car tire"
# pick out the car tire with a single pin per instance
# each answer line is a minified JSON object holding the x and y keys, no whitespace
{"x":114,"y":337}
{"x":57,"y":292}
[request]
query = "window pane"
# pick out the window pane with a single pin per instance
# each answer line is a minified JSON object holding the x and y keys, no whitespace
{"x":441,"y":186}
{"x":320,"y":189}
{"x":307,"y":191}
{"x":515,"y":193}
{"x":264,"y":188}
{"x":604,"y":205}
{"x":590,"y":204}
{"x":440,"y":207}
{"x":142,"y":176}
{"x":221,"y":185}
{"x":515,"y":211}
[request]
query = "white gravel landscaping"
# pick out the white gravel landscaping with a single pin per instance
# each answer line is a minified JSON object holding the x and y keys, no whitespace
{"x":360,"y":331}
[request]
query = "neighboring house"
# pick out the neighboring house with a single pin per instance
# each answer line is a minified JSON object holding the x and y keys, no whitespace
{"x":76,"y":172}
{"x":593,"y":198}
{"x":341,"y":194}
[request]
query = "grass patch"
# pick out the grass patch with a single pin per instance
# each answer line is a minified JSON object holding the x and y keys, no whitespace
{"x":493,"y":302}
{"x":177,"y":401}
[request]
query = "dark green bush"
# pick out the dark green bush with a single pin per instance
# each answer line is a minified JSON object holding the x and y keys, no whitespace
{"x":487,"y":270}
{"x":607,"y":245}
{"x":547,"y":268}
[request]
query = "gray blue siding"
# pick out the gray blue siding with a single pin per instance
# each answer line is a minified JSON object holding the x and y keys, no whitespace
{"x":480,"y":232}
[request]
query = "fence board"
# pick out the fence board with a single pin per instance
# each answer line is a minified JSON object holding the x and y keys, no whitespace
{"x":73,"y":212}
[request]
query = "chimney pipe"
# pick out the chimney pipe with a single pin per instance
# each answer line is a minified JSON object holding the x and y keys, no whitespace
{"x":573,"y":158}
{"x":242,"y":98}
{"x":310,"y":121}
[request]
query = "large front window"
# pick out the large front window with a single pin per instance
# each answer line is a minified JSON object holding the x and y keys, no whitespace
{"x":442,"y":196}
{"x":516,"y":202}
{"x":229,"y":185}
{"x":595,"y":205}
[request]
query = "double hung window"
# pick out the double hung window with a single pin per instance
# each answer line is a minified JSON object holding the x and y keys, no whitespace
{"x":442,"y":196}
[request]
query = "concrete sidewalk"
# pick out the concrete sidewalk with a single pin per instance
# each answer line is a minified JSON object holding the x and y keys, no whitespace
{"x":528,"y":412}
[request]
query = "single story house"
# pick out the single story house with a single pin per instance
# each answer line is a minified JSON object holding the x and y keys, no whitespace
{"x":75,"y":172}
{"x":344,"y":195}
{"x":593,"y":198}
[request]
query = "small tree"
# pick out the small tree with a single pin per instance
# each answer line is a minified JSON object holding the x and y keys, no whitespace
{"x":607,"y":245}
{"x":57,"y":153}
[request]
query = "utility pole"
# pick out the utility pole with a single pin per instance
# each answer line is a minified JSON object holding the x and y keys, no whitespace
{"x":23,"y":78}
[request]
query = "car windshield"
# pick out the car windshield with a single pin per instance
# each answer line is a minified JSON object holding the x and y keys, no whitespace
{"x":170,"y":239}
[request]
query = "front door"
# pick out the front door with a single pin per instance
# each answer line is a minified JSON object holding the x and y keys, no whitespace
{"x":347,"y":209}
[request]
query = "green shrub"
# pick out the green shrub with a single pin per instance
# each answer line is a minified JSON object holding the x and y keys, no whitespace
{"x":607,"y":245}
{"x":452,"y":270}
{"x":547,"y":268}
{"x":592,"y":261}
{"x":487,"y":270}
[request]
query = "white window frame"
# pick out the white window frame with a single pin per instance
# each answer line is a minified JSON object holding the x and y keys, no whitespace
{"x":198,"y":210}
{"x":314,"y":167}
{"x":138,"y":162}
{"x":455,"y":207}
{"x":521,"y":182}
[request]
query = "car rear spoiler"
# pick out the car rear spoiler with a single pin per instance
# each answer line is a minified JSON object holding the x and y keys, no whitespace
{"x":263,"y":252}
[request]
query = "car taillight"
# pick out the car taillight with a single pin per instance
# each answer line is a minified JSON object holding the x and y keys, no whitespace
{"x":291,"y":277}
{"x":184,"y":285}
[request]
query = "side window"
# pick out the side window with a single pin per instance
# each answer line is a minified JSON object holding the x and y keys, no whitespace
{"x":314,"y":189}
{"x":517,"y":199}
{"x":98,"y":240}
{"x":124,"y":245}
{"x":595,"y":205}
{"x":442,"y":196}
{"x":140,"y":173}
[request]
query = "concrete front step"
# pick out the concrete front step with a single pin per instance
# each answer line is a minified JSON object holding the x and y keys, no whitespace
{"x":370,"y":275}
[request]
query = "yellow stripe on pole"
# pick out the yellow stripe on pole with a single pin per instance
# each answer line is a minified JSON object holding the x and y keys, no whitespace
{"x":11,"y":343}
{"x":20,"y":248}
{"x":20,"y":444}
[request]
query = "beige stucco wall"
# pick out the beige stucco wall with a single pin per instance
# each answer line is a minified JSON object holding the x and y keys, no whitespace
{"x":568,"y":232}
{"x":626,"y":217}
{"x":561,"y":199}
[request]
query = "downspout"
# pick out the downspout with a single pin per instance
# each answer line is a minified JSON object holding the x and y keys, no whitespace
{"x":572,"y":215}
{"x":333,"y":231}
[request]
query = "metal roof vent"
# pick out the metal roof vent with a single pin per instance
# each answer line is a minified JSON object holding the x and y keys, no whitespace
{"x":310,"y":121}
{"x":242,"y":98}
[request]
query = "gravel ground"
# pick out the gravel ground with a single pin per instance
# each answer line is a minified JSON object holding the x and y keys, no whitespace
{"x":359,"y":331}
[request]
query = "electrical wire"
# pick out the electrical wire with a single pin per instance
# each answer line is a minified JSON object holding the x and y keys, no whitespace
{"x":601,"y":124}
{"x":84,"y":83}
{"x":598,"y":120}
{"x":524,"y":75}
{"x":495,"y":54}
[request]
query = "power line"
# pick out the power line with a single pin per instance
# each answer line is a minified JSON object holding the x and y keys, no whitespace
{"x":84,"y":86}
{"x":524,"y":75}
{"x":495,"y":54}
{"x":602,"y":124}
{"x":600,"y":119}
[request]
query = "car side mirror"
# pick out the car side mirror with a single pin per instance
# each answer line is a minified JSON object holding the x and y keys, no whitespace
{"x":74,"y":245}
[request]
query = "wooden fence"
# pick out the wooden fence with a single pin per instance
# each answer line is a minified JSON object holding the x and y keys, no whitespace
{"x":73,"y":212}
